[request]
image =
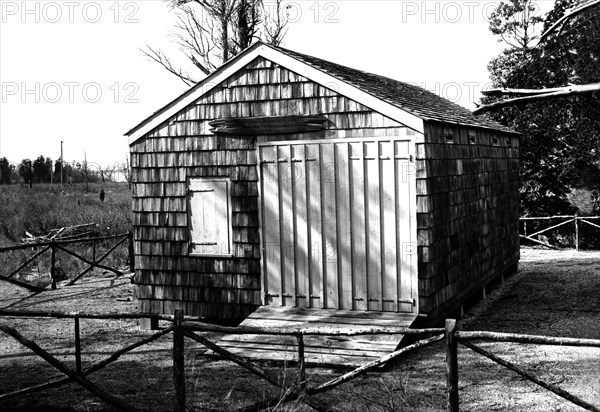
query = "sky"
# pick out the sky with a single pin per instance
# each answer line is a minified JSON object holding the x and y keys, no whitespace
{"x":72,"y":71}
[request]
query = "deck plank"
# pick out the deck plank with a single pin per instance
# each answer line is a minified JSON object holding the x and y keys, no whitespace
{"x":319,"y":350}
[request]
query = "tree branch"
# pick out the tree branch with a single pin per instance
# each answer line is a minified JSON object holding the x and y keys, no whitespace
{"x":521,"y":92}
{"x":534,"y":95}
{"x":159,"y":57}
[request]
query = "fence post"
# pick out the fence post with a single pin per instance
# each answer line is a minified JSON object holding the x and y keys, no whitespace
{"x":178,"y":363}
{"x":451,"y":367}
{"x":301,"y":361}
{"x":53,"y":264}
{"x":131,"y":253}
{"x":576,"y":232}
{"x":77,"y":346}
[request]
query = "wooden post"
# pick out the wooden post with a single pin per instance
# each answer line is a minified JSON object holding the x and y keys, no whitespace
{"x":94,"y":251}
{"x":178,"y":363}
{"x":53,"y":264}
{"x":77,"y":346}
{"x":451,"y":367}
{"x":576,"y":233}
{"x":131,"y":253}
{"x":301,"y":362}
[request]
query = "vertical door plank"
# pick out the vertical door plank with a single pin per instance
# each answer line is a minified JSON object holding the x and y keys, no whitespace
{"x":330,"y":253}
{"x":373,"y":211}
{"x":271,"y":232}
{"x":300,"y":224}
{"x":357,"y":208}
{"x":286,"y":199}
{"x":344,"y":225}
{"x":406,"y":246}
{"x":315,"y":234}
{"x":388,"y":226}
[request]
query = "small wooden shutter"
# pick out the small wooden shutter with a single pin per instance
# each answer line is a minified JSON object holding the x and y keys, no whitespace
{"x":209,"y":216}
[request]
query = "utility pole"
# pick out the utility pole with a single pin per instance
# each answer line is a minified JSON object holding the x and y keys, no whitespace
{"x":85,"y":171}
{"x":62,"y":160}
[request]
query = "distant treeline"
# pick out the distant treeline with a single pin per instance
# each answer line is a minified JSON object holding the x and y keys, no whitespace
{"x":45,"y":170}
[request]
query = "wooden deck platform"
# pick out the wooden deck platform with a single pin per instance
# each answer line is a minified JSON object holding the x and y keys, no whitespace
{"x":319,"y":350}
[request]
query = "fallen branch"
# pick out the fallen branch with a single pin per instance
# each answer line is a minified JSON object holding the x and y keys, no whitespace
{"x":59,"y":242}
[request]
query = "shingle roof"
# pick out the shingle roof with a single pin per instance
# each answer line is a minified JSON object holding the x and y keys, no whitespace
{"x":411,"y":98}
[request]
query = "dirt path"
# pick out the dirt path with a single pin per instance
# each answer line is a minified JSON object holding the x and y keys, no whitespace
{"x":554,"y":293}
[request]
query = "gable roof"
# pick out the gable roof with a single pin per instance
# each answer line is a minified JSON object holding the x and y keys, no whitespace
{"x":403,"y":102}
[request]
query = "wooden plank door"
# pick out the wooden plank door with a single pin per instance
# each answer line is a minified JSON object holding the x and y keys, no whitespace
{"x":337,"y":218}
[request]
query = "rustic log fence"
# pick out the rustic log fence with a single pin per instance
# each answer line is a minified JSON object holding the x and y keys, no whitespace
{"x":299,"y":390}
{"x":61,"y":245}
{"x":566,"y":219}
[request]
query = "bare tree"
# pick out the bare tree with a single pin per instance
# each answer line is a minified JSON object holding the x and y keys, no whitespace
{"x":210,"y":32}
{"x":125,"y":169}
{"x":514,"y":21}
{"x":275,"y":25}
{"x":106,"y":173}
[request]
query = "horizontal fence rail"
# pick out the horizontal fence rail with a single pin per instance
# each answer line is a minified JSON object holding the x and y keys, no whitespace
{"x":575,"y":219}
{"x":183,"y":327}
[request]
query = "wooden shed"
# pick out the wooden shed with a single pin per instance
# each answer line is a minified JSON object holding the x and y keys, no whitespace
{"x":283,"y":180}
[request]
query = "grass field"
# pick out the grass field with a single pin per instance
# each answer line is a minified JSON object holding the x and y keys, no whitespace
{"x":46,"y":207}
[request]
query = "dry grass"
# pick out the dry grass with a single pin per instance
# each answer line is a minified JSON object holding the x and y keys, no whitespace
{"x":47,"y":207}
